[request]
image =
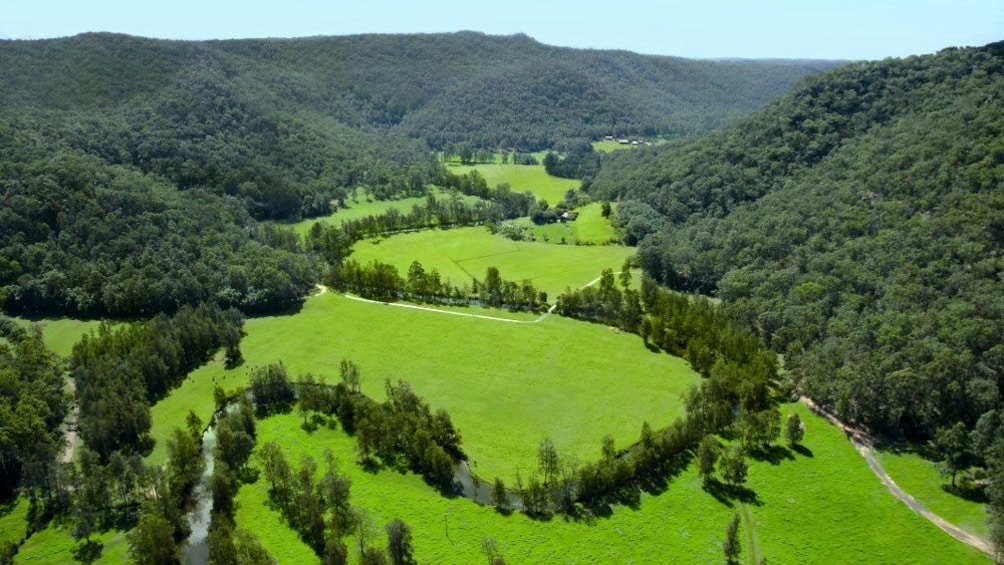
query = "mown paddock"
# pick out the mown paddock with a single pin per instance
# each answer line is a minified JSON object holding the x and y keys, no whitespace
{"x":461,"y":253}
{"x":506,"y":385}
{"x":920,"y":477}
{"x":820,"y":505}
{"x":522,"y":178}
{"x":590,"y":227}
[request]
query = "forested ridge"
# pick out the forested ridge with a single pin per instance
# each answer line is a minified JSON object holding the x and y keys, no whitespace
{"x":857,"y":225}
{"x":133,"y":171}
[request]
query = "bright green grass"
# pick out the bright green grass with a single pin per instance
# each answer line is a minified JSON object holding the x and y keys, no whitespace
{"x":55,"y":545}
{"x":921,"y":479}
{"x":830,"y":508}
{"x":461,"y":253}
{"x":589,"y":227}
{"x":522,"y":178}
{"x":13,"y":520}
{"x":610,"y":145}
{"x":60,"y":334}
{"x":505,"y":385}
{"x":678,"y":526}
{"x":356,"y":210}
{"x":827,"y":508}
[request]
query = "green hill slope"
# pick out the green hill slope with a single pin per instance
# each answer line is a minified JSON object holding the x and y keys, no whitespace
{"x":857,"y":223}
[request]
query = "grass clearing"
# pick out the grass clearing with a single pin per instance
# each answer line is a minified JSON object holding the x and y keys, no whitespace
{"x":611,"y":145}
{"x":461,"y":253}
{"x":823,"y":508}
{"x":13,"y":520}
{"x":522,"y":178}
{"x":506,"y":386}
{"x":920,"y":478}
{"x":366,"y":207}
{"x":55,"y":545}
{"x":589,"y":228}
{"x":61,"y":334}
{"x":826,"y":506}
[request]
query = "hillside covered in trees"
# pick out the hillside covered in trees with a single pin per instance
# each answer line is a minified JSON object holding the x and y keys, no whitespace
{"x":134,"y":172}
{"x":857,"y":224}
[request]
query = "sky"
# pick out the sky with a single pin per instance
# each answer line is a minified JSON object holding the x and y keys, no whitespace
{"x":816,"y":29}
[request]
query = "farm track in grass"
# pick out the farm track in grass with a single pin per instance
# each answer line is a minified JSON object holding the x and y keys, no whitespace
{"x":462,"y":252}
{"x":864,"y":445}
{"x":505,"y":385}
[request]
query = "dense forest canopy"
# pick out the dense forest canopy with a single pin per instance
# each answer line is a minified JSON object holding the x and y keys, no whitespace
{"x":133,"y":171}
{"x":857,"y":225}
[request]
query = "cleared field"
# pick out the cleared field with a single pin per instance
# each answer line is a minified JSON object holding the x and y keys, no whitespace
{"x":920,"y":478}
{"x":363,"y":208}
{"x":680,"y":526}
{"x":55,"y":545}
{"x":610,"y":145}
{"x":590,"y":228}
{"x":823,"y":508}
{"x":523,"y":177}
{"x":826,"y":506}
{"x":60,"y":334}
{"x":506,"y":386}
{"x":462,"y":253}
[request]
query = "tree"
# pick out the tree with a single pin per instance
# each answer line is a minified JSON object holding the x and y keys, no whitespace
{"x":547,"y":460}
{"x":952,"y":444}
{"x":399,"y":546}
{"x":734,"y":466}
{"x":349,"y":372}
{"x":152,"y":541}
{"x":707,"y":455}
{"x":491,"y":550}
{"x":500,"y":498}
{"x":794,"y":429}
{"x":731,"y":546}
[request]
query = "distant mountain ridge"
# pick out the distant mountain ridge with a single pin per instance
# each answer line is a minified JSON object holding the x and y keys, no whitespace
{"x":492,"y":91}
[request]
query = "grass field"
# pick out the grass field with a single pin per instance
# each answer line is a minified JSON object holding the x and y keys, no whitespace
{"x":590,"y":227}
{"x":523,"y":177}
{"x":55,"y":545}
{"x":364,"y":207}
{"x":60,"y":334}
{"x":465,"y":252}
{"x":13,"y":520}
{"x":610,"y":145}
{"x":920,"y":478}
{"x":826,"y":507}
{"x":505,"y":385}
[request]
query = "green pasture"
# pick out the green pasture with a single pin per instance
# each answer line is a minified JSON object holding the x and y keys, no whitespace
{"x":820,"y":505}
{"x":461,"y":253}
{"x":506,"y":385}
{"x":824,"y":505}
{"x":610,"y":145}
{"x":367,"y":207}
{"x":13,"y":520}
{"x":590,"y":227}
{"x":56,"y":545}
{"x":522,"y":178}
{"x":60,"y":334}
{"x":920,"y":478}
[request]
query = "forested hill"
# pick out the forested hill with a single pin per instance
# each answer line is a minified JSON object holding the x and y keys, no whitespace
{"x":858,"y":224}
{"x":492,"y":91}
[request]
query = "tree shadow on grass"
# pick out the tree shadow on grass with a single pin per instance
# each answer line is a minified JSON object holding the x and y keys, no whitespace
{"x":773,"y":454}
{"x":727,"y":494}
{"x":802,"y":450}
{"x":972,"y":493}
{"x":88,"y":552}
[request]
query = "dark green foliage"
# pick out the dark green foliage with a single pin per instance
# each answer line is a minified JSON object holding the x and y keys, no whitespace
{"x":120,"y":371}
{"x":855,"y":225}
{"x":733,"y":465}
{"x":707,"y":455}
{"x":576,"y":161}
{"x":151,"y":541}
{"x":382,"y":281}
{"x":731,"y":546}
{"x":32,"y":406}
{"x":952,"y":444}
{"x":399,"y":545}
{"x":794,"y":429}
{"x":271,"y":389}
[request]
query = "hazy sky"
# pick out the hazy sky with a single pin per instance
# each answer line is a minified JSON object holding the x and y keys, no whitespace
{"x":834,"y":29}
